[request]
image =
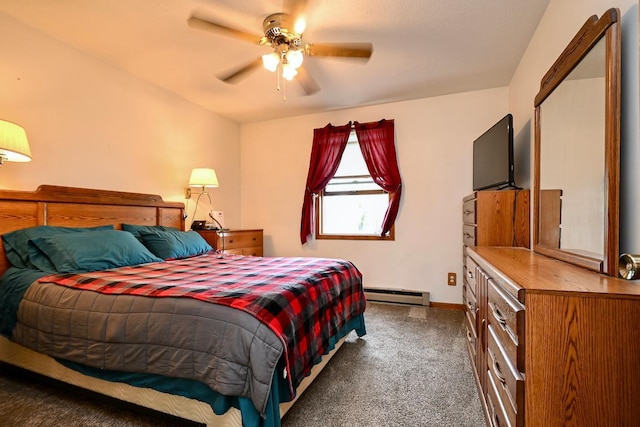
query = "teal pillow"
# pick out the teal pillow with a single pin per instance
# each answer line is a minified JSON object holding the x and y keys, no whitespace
{"x":16,"y":242}
{"x":174,"y":244}
{"x":94,"y":251}
{"x":135,"y":229}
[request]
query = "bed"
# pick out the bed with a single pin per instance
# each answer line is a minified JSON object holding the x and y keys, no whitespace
{"x":214,"y":338}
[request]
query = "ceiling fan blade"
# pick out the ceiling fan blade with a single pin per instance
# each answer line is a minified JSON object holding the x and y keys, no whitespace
{"x":236,"y":75}
{"x":307,"y":82}
{"x":349,"y":50}
{"x":214,"y":27}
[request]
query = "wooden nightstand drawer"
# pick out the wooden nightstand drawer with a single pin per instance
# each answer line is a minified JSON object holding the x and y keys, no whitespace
{"x":239,"y":242}
{"x":250,"y":251}
{"x":234,"y":239}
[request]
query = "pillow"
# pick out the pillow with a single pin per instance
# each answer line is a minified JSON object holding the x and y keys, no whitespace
{"x":83,"y":252}
{"x":135,"y":229}
{"x":174,"y":244}
{"x":16,"y":242}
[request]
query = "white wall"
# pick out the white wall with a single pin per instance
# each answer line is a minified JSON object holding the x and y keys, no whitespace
{"x":574,"y":129}
{"x":91,"y":125}
{"x":434,"y":146}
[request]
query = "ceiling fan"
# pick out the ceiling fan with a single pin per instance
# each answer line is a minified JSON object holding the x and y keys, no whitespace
{"x":283,"y":33}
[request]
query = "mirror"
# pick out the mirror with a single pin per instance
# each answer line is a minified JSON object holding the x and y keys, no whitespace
{"x":577,"y":150}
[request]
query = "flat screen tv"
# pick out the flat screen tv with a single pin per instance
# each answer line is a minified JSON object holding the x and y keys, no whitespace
{"x":493,"y":157}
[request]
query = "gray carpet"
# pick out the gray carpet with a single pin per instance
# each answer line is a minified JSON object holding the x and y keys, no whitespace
{"x":411,"y":369}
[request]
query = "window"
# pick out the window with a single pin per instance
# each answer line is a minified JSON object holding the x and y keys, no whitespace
{"x":376,"y":143}
{"x":352,"y":205}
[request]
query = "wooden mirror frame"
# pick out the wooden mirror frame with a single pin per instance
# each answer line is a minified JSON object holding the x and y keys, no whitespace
{"x":594,"y":29}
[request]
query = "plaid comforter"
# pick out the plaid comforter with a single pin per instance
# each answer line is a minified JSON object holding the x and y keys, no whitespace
{"x":304,"y":301}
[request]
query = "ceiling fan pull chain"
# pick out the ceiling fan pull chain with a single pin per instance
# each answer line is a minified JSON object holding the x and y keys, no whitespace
{"x":284,"y":90}
{"x":284,"y":83}
{"x":278,"y":76}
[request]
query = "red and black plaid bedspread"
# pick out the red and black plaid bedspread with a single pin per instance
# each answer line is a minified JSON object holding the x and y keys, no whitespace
{"x":304,"y":301}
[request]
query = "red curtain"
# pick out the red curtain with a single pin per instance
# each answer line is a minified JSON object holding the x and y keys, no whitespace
{"x":326,"y":152}
{"x":377,"y":142}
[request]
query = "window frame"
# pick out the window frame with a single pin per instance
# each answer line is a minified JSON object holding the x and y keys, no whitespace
{"x":319,"y":214}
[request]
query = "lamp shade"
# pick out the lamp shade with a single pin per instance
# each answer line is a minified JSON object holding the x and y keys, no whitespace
{"x":14,"y":146}
{"x":203,"y":177}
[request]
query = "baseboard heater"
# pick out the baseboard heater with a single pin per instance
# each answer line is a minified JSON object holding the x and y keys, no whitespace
{"x":397,"y":296}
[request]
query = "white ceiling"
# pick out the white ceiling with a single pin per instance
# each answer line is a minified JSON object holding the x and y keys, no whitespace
{"x":422,"y":48}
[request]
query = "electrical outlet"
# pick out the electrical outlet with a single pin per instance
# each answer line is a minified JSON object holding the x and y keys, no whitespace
{"x":187,"y":193}
{"x":451,"y":279}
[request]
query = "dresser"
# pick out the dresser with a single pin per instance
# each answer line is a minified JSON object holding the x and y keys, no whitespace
{"x":496,"y":218}
{"x":239,"y":242}
{"x":490,"y":218}
{"x":561,"y":343}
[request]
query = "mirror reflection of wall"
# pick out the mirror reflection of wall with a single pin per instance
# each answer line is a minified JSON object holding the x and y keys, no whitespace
{"x":572,"y":156}
{"x":577,"y":150}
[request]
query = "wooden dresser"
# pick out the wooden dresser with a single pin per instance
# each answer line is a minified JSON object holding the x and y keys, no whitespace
{"x":561,"y":344}
{"x":496,"y":218}
{"x":490,"y":218}
{"x":239,"y":242}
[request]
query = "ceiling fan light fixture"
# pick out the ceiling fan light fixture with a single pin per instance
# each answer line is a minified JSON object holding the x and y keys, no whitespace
{"x":300,"y":25}
{"x":295,"y":58}
{"x":271,"y":61}
{"x":288,"y":72}
{"x":283,"y":33}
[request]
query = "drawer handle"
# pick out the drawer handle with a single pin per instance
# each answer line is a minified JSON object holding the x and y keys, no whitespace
{"x":502,"y":321}
{"x":499,"y":317}
{"x":492,"y":410}
{"x":495,"y":367}
{"x":230,"y":240}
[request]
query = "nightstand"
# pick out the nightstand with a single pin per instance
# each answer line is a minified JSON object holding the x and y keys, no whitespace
{"x":239,"y":242}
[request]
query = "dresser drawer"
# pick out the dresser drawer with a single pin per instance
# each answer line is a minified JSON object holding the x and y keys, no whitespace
{"x":468,"y":235}
{"x":507,"y":317}
{"x":469,"y":212}
{"x":470,"y":303}
{"x":470,"y":275}
{"x":497,"y":415}
{"x":508,"y":381}
{"x":472,"y":336}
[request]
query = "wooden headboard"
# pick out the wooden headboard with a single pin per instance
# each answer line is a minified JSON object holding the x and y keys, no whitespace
{"x":82,"y":207}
